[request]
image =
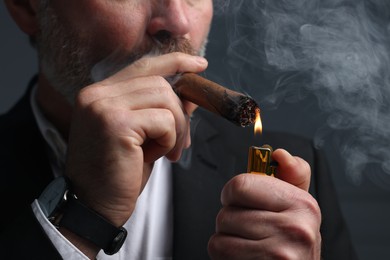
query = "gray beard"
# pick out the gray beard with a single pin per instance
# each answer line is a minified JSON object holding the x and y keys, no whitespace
{"x":69,"y":64}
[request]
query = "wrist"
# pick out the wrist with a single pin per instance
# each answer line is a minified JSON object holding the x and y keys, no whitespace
{"x":86,"y":226}
{"x":88,"y":248}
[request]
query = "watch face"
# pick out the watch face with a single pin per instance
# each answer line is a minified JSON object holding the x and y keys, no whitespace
{"x":52,"y":195}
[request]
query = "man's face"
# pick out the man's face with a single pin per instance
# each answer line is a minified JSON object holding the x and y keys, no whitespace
{"x":84,"y":41}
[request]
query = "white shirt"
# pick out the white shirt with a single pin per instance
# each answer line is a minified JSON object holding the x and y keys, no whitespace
{"x":151,"y":224}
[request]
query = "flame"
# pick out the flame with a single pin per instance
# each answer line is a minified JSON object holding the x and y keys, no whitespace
{"x":258,"y":124}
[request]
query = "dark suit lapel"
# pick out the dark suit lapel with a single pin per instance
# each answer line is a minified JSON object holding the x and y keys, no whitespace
{"x":25,"y":171}
{"x":23,"y":162}
{"x":198,"y":181}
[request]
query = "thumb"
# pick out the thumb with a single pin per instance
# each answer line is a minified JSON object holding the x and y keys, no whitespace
{"x":292,"y":169}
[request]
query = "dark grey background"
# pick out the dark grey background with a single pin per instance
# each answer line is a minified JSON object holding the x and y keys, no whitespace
{"x":365,"y":206}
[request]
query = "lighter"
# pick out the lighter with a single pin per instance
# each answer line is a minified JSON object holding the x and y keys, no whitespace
{"x":260,"y":160}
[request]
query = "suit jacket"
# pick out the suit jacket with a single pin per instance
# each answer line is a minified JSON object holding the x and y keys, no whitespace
{"x":219,"y":151}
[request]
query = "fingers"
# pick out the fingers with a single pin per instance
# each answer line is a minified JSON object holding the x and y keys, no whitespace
{"x":229,"y":217}
{"x":222,"y":246}
{"x":159,"y":66}
{"x":126,"y":115}
{"x":137,"y":87}
{"x":259,"y":192}
{"x":164,"y":65}
{"x":292,"y":169}
{"x":269,"y":218}
{"x":120,"y":126}
{"x":255,"y":224}
{"x":155,"y":126}
{"x":243,"y":233}
{"x":266,"y":218}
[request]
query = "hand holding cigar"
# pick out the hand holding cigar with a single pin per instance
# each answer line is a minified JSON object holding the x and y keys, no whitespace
{"x":236,"y":107}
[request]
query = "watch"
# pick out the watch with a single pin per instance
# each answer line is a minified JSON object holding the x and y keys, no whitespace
{"x":61,"y":206}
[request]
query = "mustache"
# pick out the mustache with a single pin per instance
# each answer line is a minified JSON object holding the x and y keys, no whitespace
{"x":166,"y":44}
{"x":158,"y":45}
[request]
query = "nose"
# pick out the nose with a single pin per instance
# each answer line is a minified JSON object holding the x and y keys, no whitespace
{"x":170,"y":16}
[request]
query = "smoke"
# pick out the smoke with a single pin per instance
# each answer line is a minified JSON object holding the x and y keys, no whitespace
{"x":337,"y":50}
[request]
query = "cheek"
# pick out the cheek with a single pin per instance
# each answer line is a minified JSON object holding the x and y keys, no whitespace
{"x":201,"y":21}
{"x":121,"y":33}
{"x":106,"y":27}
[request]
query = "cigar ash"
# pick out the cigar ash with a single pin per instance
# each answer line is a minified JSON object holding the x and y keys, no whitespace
{"x":234,"y":106}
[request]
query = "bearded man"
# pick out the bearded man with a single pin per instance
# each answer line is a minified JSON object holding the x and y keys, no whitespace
{"x":96,"y":158}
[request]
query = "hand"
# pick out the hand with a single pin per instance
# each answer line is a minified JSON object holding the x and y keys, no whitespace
{"x":269,"y":218}
{"x":120,"y":126}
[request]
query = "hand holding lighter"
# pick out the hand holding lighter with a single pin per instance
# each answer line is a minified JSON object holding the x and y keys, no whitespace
{"x":260,"y":160}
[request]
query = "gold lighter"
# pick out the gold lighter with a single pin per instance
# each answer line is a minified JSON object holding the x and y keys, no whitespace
{"x":260,"y":160}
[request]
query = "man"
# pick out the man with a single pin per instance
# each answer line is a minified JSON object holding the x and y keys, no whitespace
{"x":102,"y":113}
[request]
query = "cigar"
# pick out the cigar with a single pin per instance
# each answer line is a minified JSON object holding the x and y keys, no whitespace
{"x":236,"y":107}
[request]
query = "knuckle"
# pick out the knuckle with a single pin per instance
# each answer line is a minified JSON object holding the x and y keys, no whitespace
{"x":213,"y":247}
{"x":97,"y":110}
{"x":311,"y":205}
{"x":238,"y":190}
{"x":88,"y":94}
{"x":97,"y":107}
{"x":280,"y":254}
{"x":219,"y":248}
{"x":105,"y":117}
{"x":143,"y":63}
{"x":304,"y":202}
{"x":315,"y":209}
{"x":221,"y":218}
{"x":161,"y":81}
{"x":295,"y":248}
{"x":284,"y":253}
{"x":240,"y":184}
{"x":84,"y":96}
{"x":160,"y":86}
{"x":165,"y":121}
{"x":235,"y":190}
{"x":168,"y":119}
{"x":304,"y":235}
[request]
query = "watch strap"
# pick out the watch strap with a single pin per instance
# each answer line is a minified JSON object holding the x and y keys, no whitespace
{"x":90,"y":225}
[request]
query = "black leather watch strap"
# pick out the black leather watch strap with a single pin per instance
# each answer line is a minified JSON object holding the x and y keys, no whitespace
{"x":88,"y":224}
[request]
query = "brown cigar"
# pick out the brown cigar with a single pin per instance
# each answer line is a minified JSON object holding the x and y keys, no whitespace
{"x":234,"y":106}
